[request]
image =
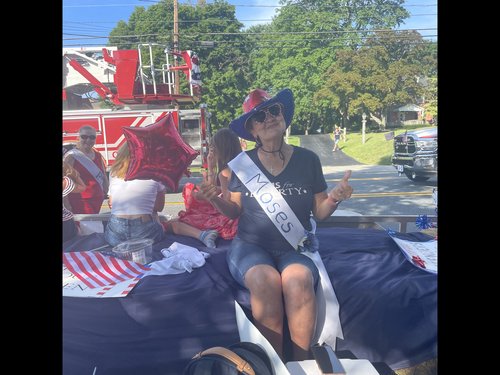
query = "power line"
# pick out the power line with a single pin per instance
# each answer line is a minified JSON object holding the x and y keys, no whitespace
{"x":98,"y":5}
{"x":343,"y":6}
{"x":126,"y":43}
{"x":218,"y":19}
{"x":267,"y":33}
{"x":91,"y":26}
{"x":282,"y":6}
{"x":378,"y":37}
{"x":235,"y":5}
{"x":308,"y":32}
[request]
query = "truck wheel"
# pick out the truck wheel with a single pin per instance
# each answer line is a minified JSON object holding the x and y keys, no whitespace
{"x":413,"y":176}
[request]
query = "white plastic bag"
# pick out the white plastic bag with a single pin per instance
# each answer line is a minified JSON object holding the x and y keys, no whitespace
{"x":179,"y":258}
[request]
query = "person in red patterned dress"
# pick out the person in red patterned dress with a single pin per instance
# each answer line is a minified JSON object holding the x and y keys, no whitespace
{"x":200,"y":219}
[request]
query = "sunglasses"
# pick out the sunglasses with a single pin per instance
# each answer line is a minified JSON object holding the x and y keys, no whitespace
{"x":260,"y":116}
{"x":84,"y":136}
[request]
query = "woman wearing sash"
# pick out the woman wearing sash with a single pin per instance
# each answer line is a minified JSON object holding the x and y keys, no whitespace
{"x":280,"y":186}
{"x":90,"y":165}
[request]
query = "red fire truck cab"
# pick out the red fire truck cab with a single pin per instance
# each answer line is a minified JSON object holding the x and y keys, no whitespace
{"x":110,"y":89}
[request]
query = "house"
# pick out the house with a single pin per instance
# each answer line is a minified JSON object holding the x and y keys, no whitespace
{"x":408,"y":114}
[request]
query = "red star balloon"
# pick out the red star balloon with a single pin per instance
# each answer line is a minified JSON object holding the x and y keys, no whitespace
{"x":158,"y":152}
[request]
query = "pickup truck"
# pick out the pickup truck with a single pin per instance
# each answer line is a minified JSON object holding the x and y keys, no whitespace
{"x":416,"y":154}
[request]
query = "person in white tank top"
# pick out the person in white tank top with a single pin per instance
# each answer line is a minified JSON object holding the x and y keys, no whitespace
{"x":135,"y":205}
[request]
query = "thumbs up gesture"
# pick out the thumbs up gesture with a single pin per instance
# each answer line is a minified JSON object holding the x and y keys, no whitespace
{"x":342,"y":190}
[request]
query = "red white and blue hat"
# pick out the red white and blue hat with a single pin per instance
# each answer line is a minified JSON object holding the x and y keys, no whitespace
{"x":254,"y":102}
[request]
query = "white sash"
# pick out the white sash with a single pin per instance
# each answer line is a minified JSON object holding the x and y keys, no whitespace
{"x":270,"y":199}
{"x":328,"y":326}
{"x":88,"y":164}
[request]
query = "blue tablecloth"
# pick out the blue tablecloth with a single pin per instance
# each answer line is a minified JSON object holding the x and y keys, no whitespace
{"x":388,"y":309}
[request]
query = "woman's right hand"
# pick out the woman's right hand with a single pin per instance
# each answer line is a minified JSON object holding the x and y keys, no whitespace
{"x":208,"y":189}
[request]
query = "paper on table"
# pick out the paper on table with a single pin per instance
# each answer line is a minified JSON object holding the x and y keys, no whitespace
{"x":423,"y":255}
{"x":74,"y":287}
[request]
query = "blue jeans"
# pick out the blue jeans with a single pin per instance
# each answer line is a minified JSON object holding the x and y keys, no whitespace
{"x":242,"y":256}
{"x":120,"y":230}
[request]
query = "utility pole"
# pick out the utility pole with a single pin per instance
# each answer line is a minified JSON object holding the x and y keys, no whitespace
{"x":176,"y":47}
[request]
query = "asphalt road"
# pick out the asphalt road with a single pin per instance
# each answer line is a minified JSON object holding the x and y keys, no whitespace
{"x":322,"y":145}
{"x":378,"y":190}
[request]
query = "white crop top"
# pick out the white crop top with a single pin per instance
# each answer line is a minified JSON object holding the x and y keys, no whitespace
{"x":134,"y":197}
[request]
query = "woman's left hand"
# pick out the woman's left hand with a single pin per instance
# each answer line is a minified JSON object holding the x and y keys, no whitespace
{"x":342,"y":190}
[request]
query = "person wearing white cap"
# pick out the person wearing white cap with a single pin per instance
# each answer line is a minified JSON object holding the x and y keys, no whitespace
{"x":274,"y":188}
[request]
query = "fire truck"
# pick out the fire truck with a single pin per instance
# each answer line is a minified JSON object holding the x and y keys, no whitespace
{"x":109,"y":89}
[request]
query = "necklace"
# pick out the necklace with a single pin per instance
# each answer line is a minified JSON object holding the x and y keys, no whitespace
{"x":281,"y":155}
{"x":279,"y":151}
{"x":274,"y":151}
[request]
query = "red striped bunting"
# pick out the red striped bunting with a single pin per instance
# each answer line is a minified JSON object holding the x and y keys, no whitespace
{"x":96,"y":270}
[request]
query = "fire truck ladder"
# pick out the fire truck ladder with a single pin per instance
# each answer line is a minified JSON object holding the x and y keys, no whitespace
{"x":148,"y":73}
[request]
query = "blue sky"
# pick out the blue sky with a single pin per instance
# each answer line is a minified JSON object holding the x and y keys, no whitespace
{"x":83,"y":19}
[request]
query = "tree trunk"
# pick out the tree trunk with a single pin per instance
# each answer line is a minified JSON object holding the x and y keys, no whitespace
{"x":380,"y":121}
{"x":342,"y":121}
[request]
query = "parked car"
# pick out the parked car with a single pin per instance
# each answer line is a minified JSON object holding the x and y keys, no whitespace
{"x":416,"y":154}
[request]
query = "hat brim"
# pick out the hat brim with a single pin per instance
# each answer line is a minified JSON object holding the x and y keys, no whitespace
{"x":284,"y":97}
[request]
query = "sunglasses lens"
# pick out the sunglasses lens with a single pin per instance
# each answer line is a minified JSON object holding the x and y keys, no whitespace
{"x":83,"y":136}
{"x":260,"y":116}
{"x":275,"y":110}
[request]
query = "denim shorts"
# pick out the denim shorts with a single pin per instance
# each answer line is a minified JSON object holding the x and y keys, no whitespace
{"x":120,"y":230}
{"x":242,"y":256}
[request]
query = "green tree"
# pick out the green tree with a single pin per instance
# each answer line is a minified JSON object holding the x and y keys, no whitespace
{"x":384,"y":74}
{"x":301,"y":43}
{"x":431,"y":98}
{"x":333,"y":54}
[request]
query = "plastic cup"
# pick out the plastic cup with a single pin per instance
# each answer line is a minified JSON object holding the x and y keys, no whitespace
{"x":138,"y":251}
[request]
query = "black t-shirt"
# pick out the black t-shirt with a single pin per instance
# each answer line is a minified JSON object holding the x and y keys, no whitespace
{"x":301,"y":179}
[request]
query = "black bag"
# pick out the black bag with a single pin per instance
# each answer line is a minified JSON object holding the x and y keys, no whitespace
{"x":241,"y":358}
